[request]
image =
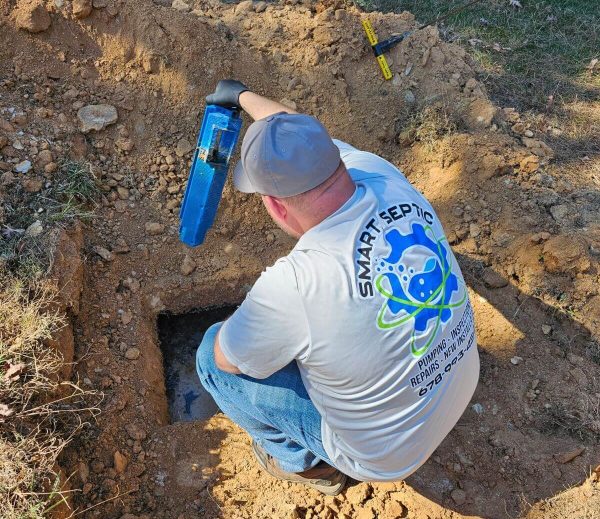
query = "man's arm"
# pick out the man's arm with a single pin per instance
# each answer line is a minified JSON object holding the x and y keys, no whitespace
{"x":220,"y":360}
{"x":268,"y":330}
{"x":259,"y":107}
{"x":234,"y":94}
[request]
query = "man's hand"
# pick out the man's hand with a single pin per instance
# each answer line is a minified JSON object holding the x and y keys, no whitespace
{"x":227,"y":93}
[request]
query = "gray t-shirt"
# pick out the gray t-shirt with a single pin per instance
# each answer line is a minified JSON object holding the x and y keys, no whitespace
{"x":373,"y":307}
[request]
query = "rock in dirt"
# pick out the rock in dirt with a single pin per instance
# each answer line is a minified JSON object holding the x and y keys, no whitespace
{"x":289,"y":103}
{"x":183,"y":147}
{"x":154,"y":228}
{"x":132,"y":354}
{"x":474,"y":230}
{"x":188,"y":266}
{"x":245,"y":6}
{"x":123,"y":192}
{"x":516,"y":360}
{"x":121,"y":246}
{"x":478,"y":408}
{"x":559,"y":212}
{"x":35,"y":229}
{"x":84,"y":471}
{"x":124,"y":144}
{"x":82,"y":8}
{"x":31,"y":15}
{"x":44,"y":158}
{"x":409,"y":97}
{"x":546,"y":329}
{"x":565,"y":457}
{"x":492,"y":279}
{"x":135,"y":432}
{"x":458,"y":496}
{"x":151,"y":63}
{"x":120,"y":462}
{"x":96,"y":117}
{"x":181,"y":6}
{"x":105,"y":254}
{"x":6,"y":126}
{"x":126,"y":317}
{"x":23,"y":167}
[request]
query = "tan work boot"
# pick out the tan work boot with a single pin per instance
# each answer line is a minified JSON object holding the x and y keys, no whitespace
{"x":323,"y":477}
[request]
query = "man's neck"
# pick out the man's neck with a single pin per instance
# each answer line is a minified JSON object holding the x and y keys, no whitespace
{"x":328,"y":203}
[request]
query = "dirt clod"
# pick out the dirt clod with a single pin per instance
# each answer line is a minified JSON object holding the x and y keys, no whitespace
{"x":120,"y":462}
{"x":566,"y":457}
{"x":181,"y":6}
{"x":154,"y":228}
{"x":188,"y":265}
{"x":104,"y":253}
{"x":82,"y":8}
{"x":459,"y":496}
{"x":132,"y":353}
{"x":32,"y":16}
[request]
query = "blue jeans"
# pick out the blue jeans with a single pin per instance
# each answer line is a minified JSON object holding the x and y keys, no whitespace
{"x":276,"y":411}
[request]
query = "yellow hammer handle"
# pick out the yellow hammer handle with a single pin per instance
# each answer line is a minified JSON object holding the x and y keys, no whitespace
{"x":385,"y":68}
{"x":366,"y":23}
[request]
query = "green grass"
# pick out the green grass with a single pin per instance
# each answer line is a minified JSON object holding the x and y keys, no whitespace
{"x":71,"y":196}
{"x":76,"y":182}
{"x":551,"y":42}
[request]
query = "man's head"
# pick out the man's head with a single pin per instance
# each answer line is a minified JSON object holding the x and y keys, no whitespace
{"x":291,"y":161}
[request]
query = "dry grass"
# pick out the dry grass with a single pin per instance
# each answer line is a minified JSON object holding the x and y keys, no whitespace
{"x":34,"y":425}
{"x":431,"y":123}
{"x":579,"y":419}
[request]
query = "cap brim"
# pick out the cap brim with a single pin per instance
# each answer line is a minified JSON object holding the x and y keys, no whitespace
{"x":240,"y":179}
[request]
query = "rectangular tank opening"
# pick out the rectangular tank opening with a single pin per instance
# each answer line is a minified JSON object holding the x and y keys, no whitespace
{"x":180,"y":335}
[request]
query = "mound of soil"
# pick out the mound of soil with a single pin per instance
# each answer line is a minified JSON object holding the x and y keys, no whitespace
{"x":525,"y":240}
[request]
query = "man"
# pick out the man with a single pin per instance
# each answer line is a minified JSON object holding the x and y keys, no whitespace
{"x":354,"y":355}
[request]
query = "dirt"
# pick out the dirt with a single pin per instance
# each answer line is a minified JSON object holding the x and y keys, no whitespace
{"x":527,"y":238}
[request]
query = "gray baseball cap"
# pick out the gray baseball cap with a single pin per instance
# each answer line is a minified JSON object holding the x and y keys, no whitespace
{"x":285,"y":155}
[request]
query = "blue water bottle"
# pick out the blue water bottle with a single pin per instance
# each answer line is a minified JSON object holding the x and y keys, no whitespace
{"x":217,"y":139}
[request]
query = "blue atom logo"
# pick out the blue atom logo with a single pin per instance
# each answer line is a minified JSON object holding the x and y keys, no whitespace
{"x":421,"y":284}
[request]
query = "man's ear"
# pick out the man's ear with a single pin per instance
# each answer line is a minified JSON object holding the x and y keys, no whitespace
{"x":275,"y":207}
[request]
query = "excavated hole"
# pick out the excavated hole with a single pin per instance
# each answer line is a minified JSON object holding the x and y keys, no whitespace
{"x":180,"y":335}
